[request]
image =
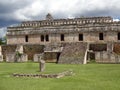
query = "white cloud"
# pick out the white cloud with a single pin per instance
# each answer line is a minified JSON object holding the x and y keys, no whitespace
{"x":66,"y":8}
{"x":3,"y":32}
{"x":20,"y":10}
{"x":12,"y":11}
{"x":116,"y":20}
{"x":36,"y":9}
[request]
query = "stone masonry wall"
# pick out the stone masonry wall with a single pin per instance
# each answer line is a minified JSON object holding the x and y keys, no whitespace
{"x":8,"y":49}
{"x":116,"y":48}
{"x":56,"y":37}
{"x":16,"y":39}
{"x":30,"y":50}
{"x":12,"y":57}
{"x":73,"y":53}
{"x":98,"y":47}
{"x":50,"y":57}
{"x":107,"y":57}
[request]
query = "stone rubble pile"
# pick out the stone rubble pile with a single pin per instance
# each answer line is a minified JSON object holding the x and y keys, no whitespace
{"x":59,"y":75}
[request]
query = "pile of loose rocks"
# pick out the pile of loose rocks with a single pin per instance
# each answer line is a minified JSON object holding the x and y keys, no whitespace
{"x":59,"y":75}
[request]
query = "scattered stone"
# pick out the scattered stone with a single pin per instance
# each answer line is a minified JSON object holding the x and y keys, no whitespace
{"x":59,"y":75}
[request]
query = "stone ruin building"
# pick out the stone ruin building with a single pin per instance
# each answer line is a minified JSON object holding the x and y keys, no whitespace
{"x":71,"y":41}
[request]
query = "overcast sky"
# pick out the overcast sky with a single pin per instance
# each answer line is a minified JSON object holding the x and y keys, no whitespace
{"x":14,"y":11}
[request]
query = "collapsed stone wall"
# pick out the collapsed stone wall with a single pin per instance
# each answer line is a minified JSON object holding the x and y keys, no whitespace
{"x":13,"y":57}
{"x":30,"y":50}
{"x":73,"y":53}
{"x":6,"y":49}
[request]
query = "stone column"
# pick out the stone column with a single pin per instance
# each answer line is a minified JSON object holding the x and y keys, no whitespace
{"x":41,"y":63}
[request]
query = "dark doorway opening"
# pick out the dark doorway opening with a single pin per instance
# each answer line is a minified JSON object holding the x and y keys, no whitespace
{"x":58,"y":55}
{"x":91,"y":57}
{"x":80,"y":37}
{"x":62,"y":37}
{"x":42,"y":38}
{"x":101,"y":36}
{"x":119,"y":36}
{"x":26,"y":38}
{"x":47,"y":37}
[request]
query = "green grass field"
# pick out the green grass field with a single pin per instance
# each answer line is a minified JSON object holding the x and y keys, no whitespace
{"x":87,"y":77}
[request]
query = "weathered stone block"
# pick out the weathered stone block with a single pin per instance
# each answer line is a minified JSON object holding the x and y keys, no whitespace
{"x":112,"y":58}
{"x":97,"y":55}
{"x":22,"y":58}
{"x":10,"y":57}
{"x":42,"y":65}
{"x":14,"y":58}
{"x":1,"y":58}
{"x":38,"y":57}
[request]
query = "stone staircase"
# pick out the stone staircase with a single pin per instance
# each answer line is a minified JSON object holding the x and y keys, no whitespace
{"x":73,"y":53}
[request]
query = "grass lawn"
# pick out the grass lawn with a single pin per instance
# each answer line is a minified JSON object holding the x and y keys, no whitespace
{"x":87,"y":77}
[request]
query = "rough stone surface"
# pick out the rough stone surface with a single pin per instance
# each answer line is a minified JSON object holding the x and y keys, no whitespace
{"x":50,"y":56}
{"x":7,"y":49}
{"x":107,"y":57}
{"x":98,"y":47}
{"x":59,"y":75}
{"x":73,"y":53}
{"x":20,"y":49}
{"x":13,"y":58}
{"x":42,"y":65}
{"x":38,"y":57}
{"x":1,"y":58}
{"x":33,"y":49}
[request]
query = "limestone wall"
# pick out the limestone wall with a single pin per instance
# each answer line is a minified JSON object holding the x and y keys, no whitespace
{"x":32,"y":39}
{"x":53,"y":22}
{"x":16,"y":39}
{"x":106,"y":57}
{"x":68,"y":37}
{"x":98,"y":46}
{"x":12,"y":57}
{"x":30,"y":50}
{"x":91,"y":36}
{"x":73,"y":53}
{"x":111,"y":36}
{"x":50,"y":57}
{"x":8,"y":49}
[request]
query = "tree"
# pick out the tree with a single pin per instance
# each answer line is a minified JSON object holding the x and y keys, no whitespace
{"x":3,"y":40}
